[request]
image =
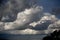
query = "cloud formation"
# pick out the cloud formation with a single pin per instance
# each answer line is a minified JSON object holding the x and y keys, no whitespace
{"x":24,"y":18}
{"x":26,"y":15}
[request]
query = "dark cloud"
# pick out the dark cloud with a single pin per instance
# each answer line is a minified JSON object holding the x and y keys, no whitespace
{"x":11,"y":9}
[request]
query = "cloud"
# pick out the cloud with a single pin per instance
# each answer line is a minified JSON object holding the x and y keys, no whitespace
{"x":55,"y":25}
{"x":24,"y":18}
{"x":26,"y":31}
{"x":33,"y":18}
{"x":26,"y":15}
{"x":44,"y":22}
{"x":11,"y":9}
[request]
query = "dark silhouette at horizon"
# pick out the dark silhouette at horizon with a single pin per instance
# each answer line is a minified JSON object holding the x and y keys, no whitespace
{"x":53,"y":36}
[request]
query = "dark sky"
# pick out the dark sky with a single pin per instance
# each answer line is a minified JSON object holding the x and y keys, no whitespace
{"x":49,"y":4}
{"x":2,"y":1}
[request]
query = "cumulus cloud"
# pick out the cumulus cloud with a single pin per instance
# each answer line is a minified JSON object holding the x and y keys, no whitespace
{"x":44,"y":22}
{"x":32,"y":18}
{"x":26,"y":15}
{"x":24,"y":18}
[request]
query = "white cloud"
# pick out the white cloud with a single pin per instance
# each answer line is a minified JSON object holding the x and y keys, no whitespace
{"x":55,"y":25}
{"x":46,"y":20}
{"x":28,"y":15}
{"x":23,"y":19}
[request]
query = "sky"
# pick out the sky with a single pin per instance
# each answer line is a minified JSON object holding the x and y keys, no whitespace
{"x":28,"y":14}
{"x":29,"y":17}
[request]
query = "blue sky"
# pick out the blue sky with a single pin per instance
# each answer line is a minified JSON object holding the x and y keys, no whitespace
{"x":49,"y":4}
